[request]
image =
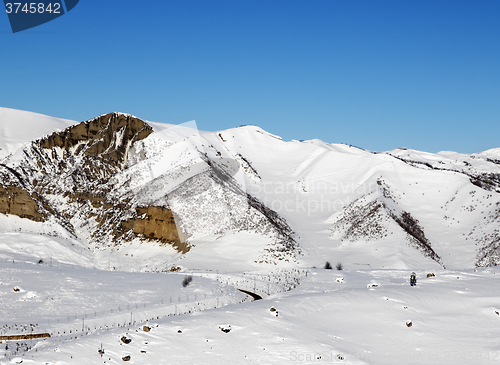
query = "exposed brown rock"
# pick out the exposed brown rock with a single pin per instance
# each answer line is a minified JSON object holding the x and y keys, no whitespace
{"x":103,"y":142}
{"x":100,"y":132}
{"x":24,"y":337}
{"x":78,"y":163}
{"x":126,"y":340}
{"x":17,"y":201}
{"x":158,"y":224}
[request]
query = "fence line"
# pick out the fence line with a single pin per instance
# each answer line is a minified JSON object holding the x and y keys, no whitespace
{"x":85,"y":326}
{"x":72,"y":327}
{"x":130,"y":313}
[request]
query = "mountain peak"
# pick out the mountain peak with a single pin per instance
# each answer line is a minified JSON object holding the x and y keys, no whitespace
{"x":108,"y":137}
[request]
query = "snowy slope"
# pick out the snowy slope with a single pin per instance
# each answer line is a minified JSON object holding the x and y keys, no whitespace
{"x":17,"y":128}
{"x":493,"y":153}
{"x":313,"y":185}
{"x":477,"y":164}
{"x":248,"y":193}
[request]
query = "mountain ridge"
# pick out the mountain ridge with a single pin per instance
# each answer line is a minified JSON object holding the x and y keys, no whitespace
{"x":172,"y":195}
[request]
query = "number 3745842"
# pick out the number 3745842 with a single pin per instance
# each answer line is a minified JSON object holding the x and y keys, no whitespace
{"x":32,"y":8}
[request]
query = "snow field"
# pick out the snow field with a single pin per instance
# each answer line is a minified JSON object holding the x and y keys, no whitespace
{"x":68,"y":301}
{"x":341,"y":317}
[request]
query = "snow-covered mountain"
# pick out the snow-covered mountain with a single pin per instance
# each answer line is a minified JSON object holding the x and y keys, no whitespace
{"x":117,"y":191}
{"x":239,"y":209}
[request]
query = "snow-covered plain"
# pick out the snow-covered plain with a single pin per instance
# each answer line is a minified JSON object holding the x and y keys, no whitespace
{"x":341,"y":317}
{"x":56,"y":282}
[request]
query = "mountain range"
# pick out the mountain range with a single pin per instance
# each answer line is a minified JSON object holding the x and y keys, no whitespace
{"x":123,"y":193}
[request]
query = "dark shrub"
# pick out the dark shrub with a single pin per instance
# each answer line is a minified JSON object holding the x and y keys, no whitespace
{"x":187,"y":280}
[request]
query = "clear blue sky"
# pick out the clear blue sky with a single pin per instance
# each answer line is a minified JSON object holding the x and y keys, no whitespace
{"x":376,"y":74}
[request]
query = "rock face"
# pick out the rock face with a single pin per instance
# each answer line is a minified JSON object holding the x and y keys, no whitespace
{"x":92,"y":179}
{"x":101,"y":143}
{"x":75,"y":166}
{"x":158,"y":224}
{"x":14,"y":200}
{"x":373,"y":216}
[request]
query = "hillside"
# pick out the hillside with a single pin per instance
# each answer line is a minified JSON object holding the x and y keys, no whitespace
{"x":151,"y":196}
{"x":125,"y":241}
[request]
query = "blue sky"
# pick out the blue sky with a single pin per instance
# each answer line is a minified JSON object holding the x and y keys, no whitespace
{"x":374,"y":74}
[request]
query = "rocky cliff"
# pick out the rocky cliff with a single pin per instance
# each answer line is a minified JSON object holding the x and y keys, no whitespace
{"x":65,"y":176}
{"x":82,"y":179}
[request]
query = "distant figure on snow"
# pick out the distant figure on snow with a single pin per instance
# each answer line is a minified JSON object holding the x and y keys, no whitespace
{"x":413,"y":279}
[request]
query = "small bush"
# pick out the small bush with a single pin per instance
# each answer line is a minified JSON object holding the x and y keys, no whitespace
{"x":339,"y":266}
{"x":328,"y":266}
{"x":186,"y":281}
